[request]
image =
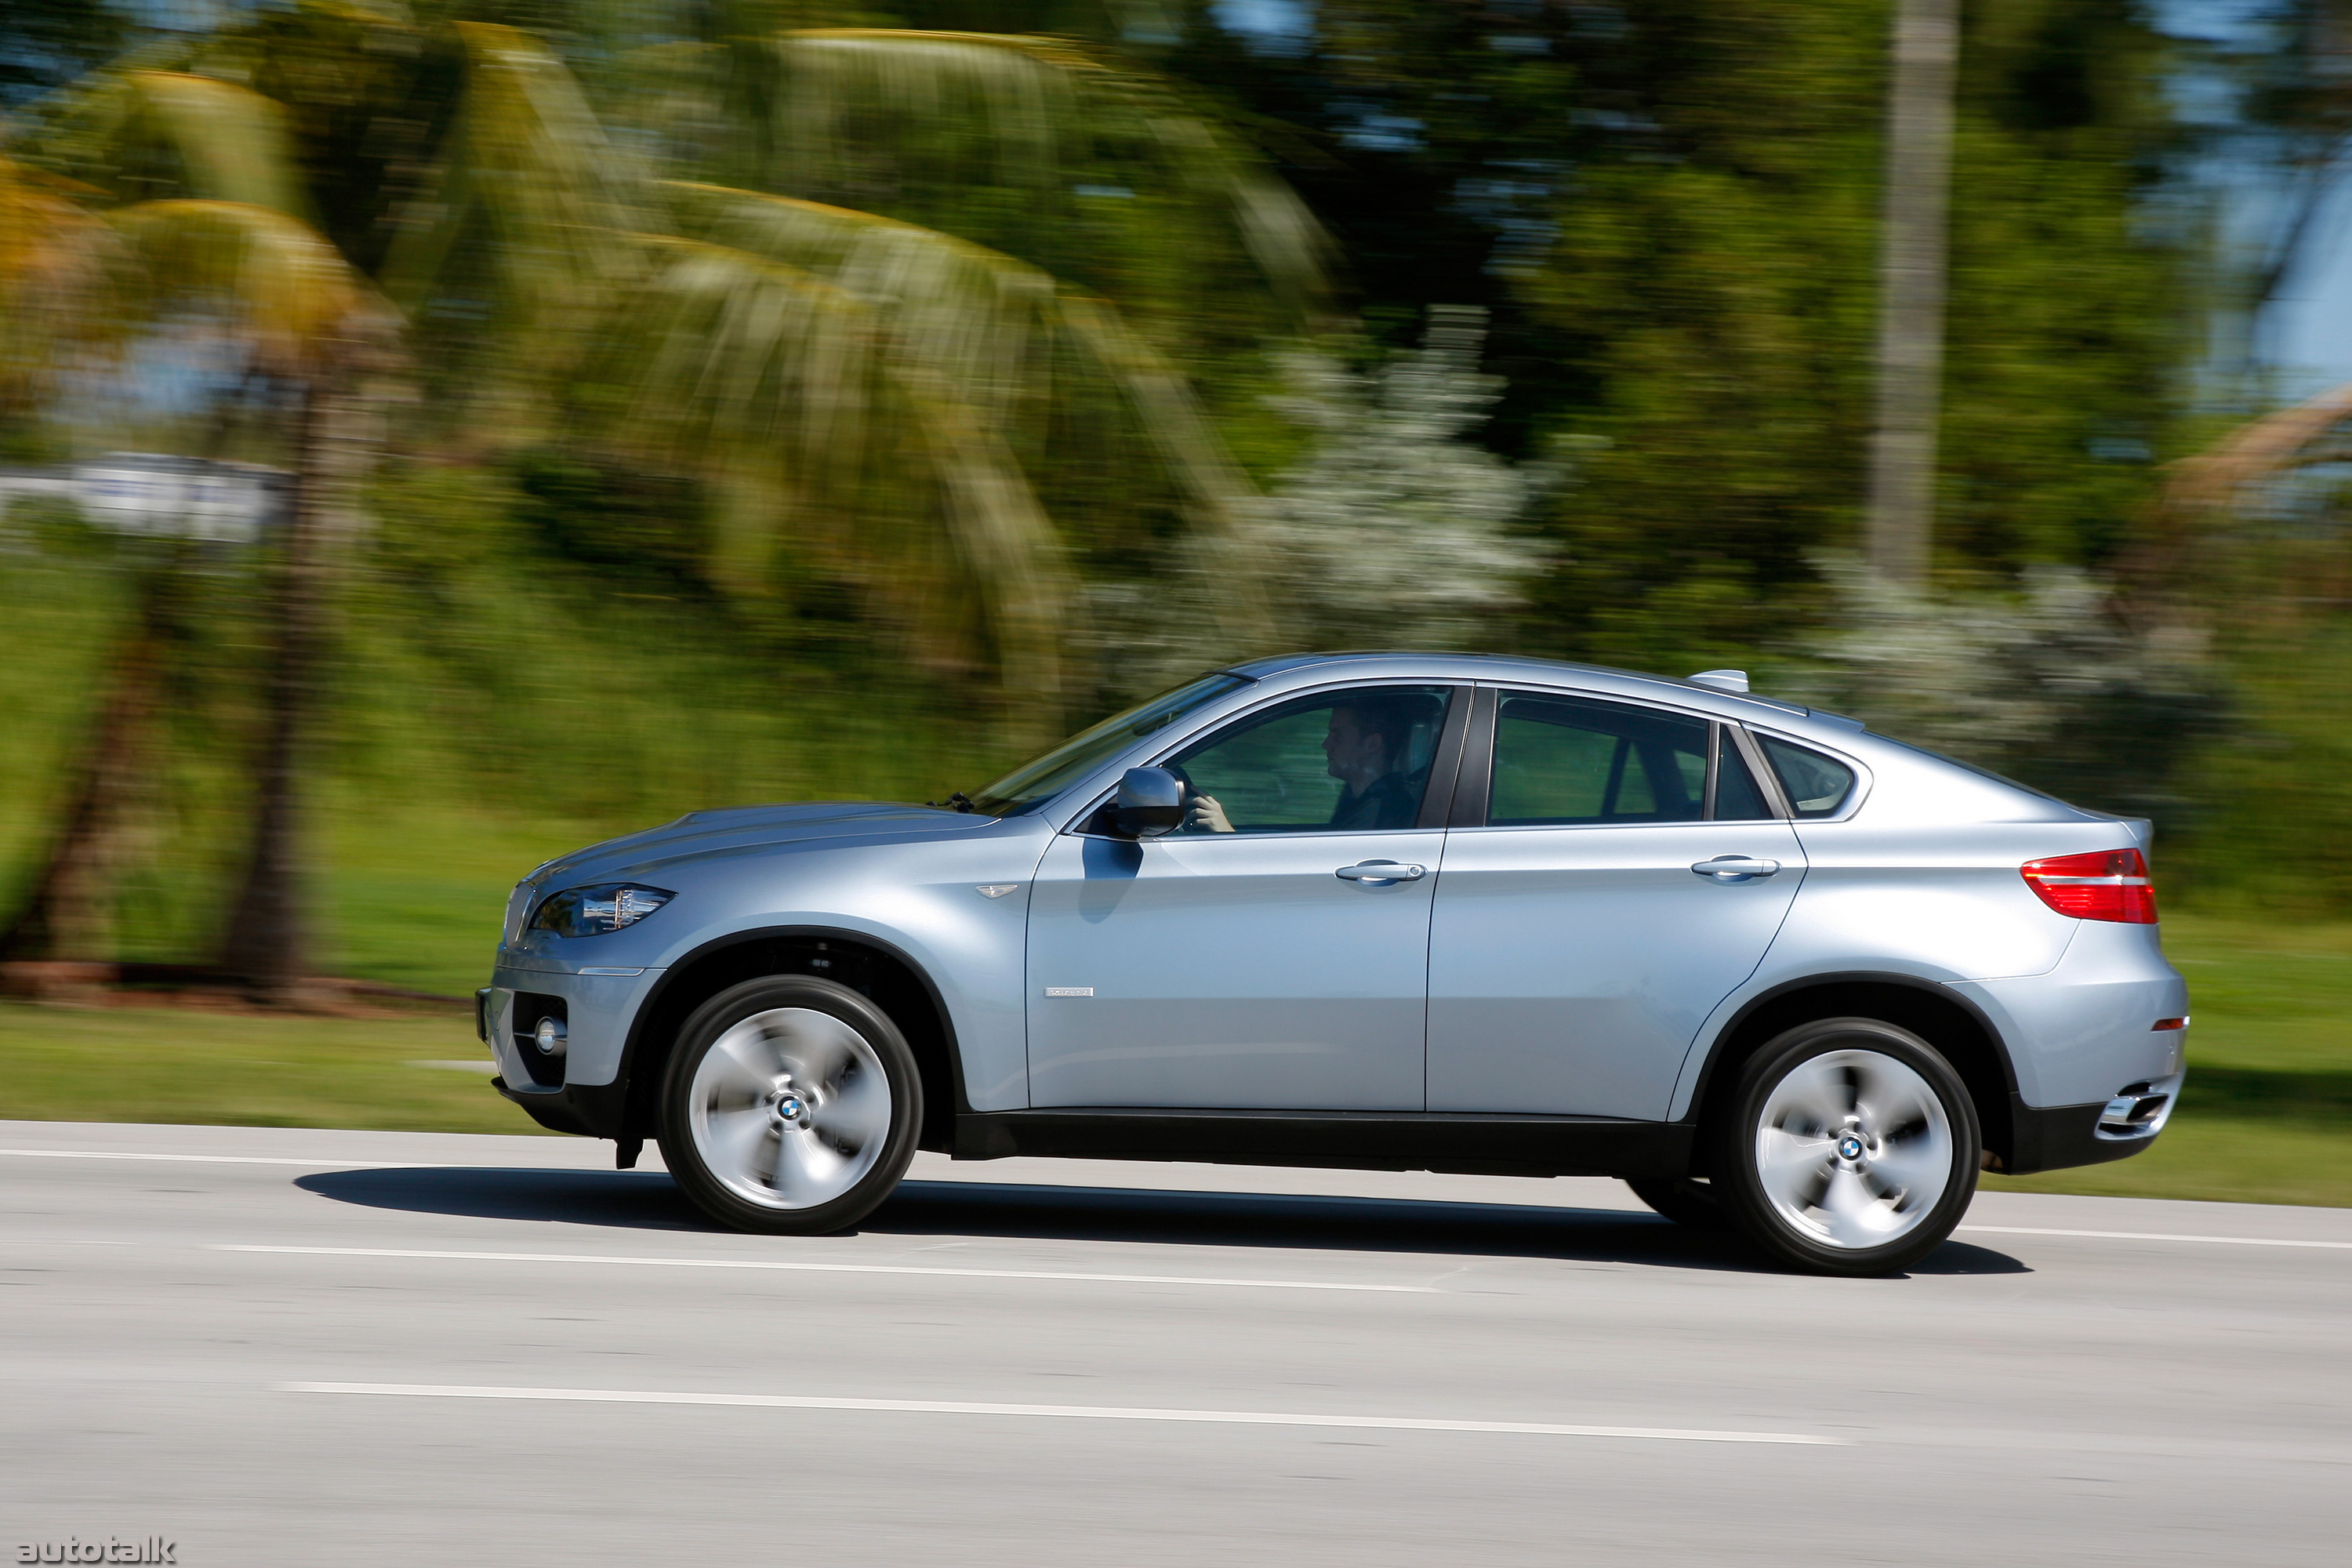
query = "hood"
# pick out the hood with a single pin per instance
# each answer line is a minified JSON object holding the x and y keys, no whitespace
{"x":734,"y":829}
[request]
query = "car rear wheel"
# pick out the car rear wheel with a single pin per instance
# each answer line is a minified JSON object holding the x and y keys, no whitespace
{"x":790,"y":1105}
{"x":1850,"y":1147}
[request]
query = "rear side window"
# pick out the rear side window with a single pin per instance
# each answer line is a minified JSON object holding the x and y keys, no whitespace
{"x":1565,"y":760}
{"x":1817,"y":785}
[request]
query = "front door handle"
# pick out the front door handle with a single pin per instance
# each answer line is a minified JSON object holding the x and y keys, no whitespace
{"x":1380,"y":871}
{"x":1736,"y":868}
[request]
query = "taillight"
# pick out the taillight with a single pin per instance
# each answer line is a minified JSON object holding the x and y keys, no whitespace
{"x":2104,"y":885}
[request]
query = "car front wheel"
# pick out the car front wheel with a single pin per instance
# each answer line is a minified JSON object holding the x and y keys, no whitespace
{"x":790,"y":1105}
{"x":1851,"y":1148}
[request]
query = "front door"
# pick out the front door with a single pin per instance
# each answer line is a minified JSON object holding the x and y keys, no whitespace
{"x":1270,"y":955}
{"x":1574,"y":952}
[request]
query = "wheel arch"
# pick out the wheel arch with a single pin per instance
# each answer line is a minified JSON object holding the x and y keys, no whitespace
{"x":876,"y":969}
{"x":1951,"y":1022}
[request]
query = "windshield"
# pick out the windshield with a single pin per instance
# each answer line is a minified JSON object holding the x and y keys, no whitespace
{"x":1030,"y":787}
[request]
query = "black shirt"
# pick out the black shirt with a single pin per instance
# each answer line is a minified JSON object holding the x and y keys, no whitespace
{"x":1391,"y":800}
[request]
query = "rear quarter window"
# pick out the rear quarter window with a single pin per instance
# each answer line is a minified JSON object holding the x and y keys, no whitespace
{"x":1817,"y":785}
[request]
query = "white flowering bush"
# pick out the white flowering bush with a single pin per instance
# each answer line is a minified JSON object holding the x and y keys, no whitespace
{"x":2046,"y":683}
{"x":1393,"y":530}
{"x":1396,"y":530}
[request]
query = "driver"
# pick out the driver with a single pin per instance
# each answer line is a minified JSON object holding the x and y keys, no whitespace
{"x":1366,"y":749}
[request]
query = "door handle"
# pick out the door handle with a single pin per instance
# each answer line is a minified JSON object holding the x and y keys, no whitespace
{"x":1382,"y":871}
{"x":1736,"y":868}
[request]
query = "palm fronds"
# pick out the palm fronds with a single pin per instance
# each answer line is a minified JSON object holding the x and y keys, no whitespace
{"x":54,"y":263}
{"x":528,"y":161}
{"x":794,"y":393}
{"x":271,"y":281}
{"x":140,"y":134}
{"x":991,"y":345}
{"x":1030,"y":146}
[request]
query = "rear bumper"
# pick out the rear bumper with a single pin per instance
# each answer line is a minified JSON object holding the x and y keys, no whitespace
{"x":2055,"y":1137}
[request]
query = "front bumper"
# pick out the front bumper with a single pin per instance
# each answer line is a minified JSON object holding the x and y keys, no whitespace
{"x":593,"y":1110}
{"x":581,"y":1090}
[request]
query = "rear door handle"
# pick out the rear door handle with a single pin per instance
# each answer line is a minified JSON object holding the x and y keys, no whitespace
{"x":1736,"y":868}
{"x":1380,"y":871}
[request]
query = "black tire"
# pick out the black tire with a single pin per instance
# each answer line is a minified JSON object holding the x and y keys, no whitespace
{"x":1681,"y":1199}
{"x":830,"y":1055}
{"x":1914,"y":1147}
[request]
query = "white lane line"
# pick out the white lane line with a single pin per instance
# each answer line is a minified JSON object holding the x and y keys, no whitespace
{"x":1073,"y":1411}
{"x":2155,"y":1235}
{"x":800,"y":1268}
{"x":251,"y":1160}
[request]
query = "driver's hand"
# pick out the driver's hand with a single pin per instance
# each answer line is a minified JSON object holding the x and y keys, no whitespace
{"x":1205,"y":815}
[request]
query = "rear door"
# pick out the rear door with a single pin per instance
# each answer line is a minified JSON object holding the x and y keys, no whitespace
{"x":1577,"y":943}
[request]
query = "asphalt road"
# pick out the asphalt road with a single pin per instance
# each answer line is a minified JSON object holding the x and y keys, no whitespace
{"x":276,"y":1346}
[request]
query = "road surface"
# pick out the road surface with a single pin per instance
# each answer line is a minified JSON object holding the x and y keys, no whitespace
{"x":296,"y":1347}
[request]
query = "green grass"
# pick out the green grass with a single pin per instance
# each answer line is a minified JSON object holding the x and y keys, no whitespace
{"x":157,"y":1064}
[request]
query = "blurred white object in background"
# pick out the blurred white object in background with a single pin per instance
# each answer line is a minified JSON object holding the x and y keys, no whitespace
{"x":156,"y":494}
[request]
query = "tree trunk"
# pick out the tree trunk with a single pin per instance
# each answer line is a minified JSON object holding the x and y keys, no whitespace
{"x":268,"y":944}
{"x":1902,"y":514}
{"x":68,"y":915}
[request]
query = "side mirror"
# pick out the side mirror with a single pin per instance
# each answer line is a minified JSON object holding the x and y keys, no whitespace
{"x":1150,"y":802}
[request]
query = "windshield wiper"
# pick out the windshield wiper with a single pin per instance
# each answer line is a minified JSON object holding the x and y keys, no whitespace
{"x":956,"y":802}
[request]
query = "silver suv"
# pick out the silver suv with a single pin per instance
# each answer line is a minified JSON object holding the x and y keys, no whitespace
{"x":1387,"y":911}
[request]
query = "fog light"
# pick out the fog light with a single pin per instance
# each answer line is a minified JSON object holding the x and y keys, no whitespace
{"x":550,"y":1036}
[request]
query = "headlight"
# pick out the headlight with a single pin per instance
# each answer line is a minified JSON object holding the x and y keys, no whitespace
{"x":518,"y":911}
{"x":593,"y":911}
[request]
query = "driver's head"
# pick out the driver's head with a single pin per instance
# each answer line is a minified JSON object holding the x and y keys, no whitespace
{"x":1368,"y":738}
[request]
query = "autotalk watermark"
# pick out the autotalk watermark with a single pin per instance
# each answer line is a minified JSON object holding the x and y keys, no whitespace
{"x":113,"y":1549}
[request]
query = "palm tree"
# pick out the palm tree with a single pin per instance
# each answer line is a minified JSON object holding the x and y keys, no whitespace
{"x":1899,"y":532}
{"x":856,"y":382}
{"x":2210,"y":497}
{"x":301,"y":321}
{"x":233,"y":264}
{"x":835,"y":370}
{"x":76,"y":285}
{"x":53,"y":262}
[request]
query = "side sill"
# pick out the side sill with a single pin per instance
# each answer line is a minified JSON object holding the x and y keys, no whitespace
{"x":592,"y":1110}
{"x":1354,"y":1141}
{"x":2058,"y":1137}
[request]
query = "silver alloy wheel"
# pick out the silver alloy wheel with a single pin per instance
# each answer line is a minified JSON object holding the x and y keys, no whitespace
{"x":790,"y":1108}
{"x":1853,"y":1149}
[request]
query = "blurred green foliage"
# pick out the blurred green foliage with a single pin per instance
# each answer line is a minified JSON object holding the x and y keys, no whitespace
{"x":603,"y":580}
{"x":1671,"y":210}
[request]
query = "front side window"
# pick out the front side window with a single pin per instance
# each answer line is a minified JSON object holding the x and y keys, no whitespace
{"x":1353,"y":760}
{"x":1567,"y":760}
